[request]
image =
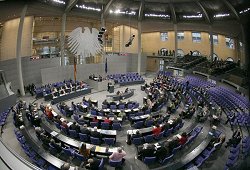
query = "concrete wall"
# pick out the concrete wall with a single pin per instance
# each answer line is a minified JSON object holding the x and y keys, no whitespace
{"x":31,"y":70}
{"x":9,"y":38}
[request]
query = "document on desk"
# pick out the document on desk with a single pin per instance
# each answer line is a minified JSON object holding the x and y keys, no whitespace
{"x":53,"y":133}
{"x":100,"y":149}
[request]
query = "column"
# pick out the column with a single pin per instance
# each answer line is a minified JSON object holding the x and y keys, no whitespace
{"x":139,"y":47}
{"x":18,"y":50}
{"x":63,"y":39}
{"x":211,"y":42}
{"x":243,"y":60}
{"x":175,"y":43}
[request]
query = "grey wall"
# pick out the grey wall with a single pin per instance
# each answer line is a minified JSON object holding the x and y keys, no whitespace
{"x":48,"y":70}
{"x":7,"y":102}
{"x":31,"y":70}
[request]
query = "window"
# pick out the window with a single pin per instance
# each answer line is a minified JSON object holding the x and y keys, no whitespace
{"x":164,"y":36}
{"x":180,"y":36}
{"x":230,"y":42}
{"x":215,"y":39}
{"x":196,"y":36}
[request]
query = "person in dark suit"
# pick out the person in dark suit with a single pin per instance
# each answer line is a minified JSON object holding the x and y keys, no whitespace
{"x":148,"y":150}
{"x":93,"y":164}
{"x":74,"y":126}
{"x":163,"y":152}
{"x":55,"y":145}
{"x":84,"y":129}
{"x":95,"y":134}
{"x":136,"y":135}
{"x":173,"y":143}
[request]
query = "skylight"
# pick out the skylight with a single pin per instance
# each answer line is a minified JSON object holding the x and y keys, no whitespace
{"x":88,"y":8}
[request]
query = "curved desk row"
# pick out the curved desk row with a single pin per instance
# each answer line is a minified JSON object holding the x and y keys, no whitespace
{"x":68,"y":96}
{"x":184,"y":160}
{"x":41,"y":152}
{"x":122,"y":96}
{"x":75,"y":143}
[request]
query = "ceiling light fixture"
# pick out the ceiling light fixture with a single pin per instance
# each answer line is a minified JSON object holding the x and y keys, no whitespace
{"x":88,"y":8}
{"x":221,"y":15}
{"x":244,"y":11}
{"x":192,"y":16}
{"x":59,"y":1}
{"x":118,"y":11}
{"x":157,"y":15}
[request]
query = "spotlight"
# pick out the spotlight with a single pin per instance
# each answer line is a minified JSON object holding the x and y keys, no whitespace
{"x":130,"y":41}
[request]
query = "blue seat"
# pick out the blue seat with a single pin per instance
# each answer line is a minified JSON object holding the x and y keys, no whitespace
{"x":149,"y":123}
{"x":176,"y":149}
{"x":65,"y":130}
{"x":93,"y":124}
{"x":95,"y":141}
{"x":80,"y":156}
{"x":138,"y":124}
{"x":52,"y":149}
{"x":84,"y":137}
{"x":199,"y":161}
{"x":58,"y":125}
{"x":115,"y":163}
{"x":149,"y":160}
{"x":148,"y":138}
{"x":167,"y":159}
{"x":67,"y":151}
{"x":105,"y":125}
{"x":160,"y":136}
{"x":109,"y":141}
{"x":73,"y":133}
{"x":116,"y":126}
{"x":121,"y":106}
{"x":112,"y":107}
{"x":167,"y":133}
{"x":101,"y":165}
{"x":137,"y":141}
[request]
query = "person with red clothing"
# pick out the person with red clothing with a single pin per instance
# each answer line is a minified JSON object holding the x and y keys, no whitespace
{"x":64,"y":124}
{"x":106,"y":120}
{"x":157,"y":130}
{"x":183,"y":138}
{"x":95,"y":119}
{"x":49,"y":114}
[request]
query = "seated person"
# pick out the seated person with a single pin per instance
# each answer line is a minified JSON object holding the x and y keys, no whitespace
{"x":75,"y":127}
{"x":55,"y":145}
{"x":95,"y":133}
{"x":136,"y":135}
{"x":173,"y":143}
{"x":163,"y":152}
{"x":235,"y":140}
{"x":118,"y":93}
{"x":115,"y":119}
{"x":157,"y":130}
{"x":147,"y":120}
{"x":217,"y":141}
{"x":118,"y":155}
{"x":126,"y":90}
{"x":73,"y":105}
{"x":84,"y":151}
{"x":84,"y":129}
{"x":65,"y":124}
{"x":148,"y":150}
{"x":93,"y":164}
{"x":107,"y":120}
{"x":183,"y":138}
{"x":65,"y":166}
{"x":95,"y":119}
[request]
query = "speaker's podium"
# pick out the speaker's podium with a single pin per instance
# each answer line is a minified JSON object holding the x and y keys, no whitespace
{"x":111,"y":89}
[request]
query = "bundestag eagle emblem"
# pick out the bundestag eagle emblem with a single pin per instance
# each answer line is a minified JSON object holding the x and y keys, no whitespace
{"x":85,"y":42}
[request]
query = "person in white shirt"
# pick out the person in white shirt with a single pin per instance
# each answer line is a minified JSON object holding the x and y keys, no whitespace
{"x":118,"y":155}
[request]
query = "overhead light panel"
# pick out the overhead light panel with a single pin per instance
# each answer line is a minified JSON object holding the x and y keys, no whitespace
{"x":157,"y":15}
{"x":59,"y":1}
{"x":192,"y":16}
{"x":244,"y":11}
{"x":221,"y":15}
{"x":88,"y":8}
